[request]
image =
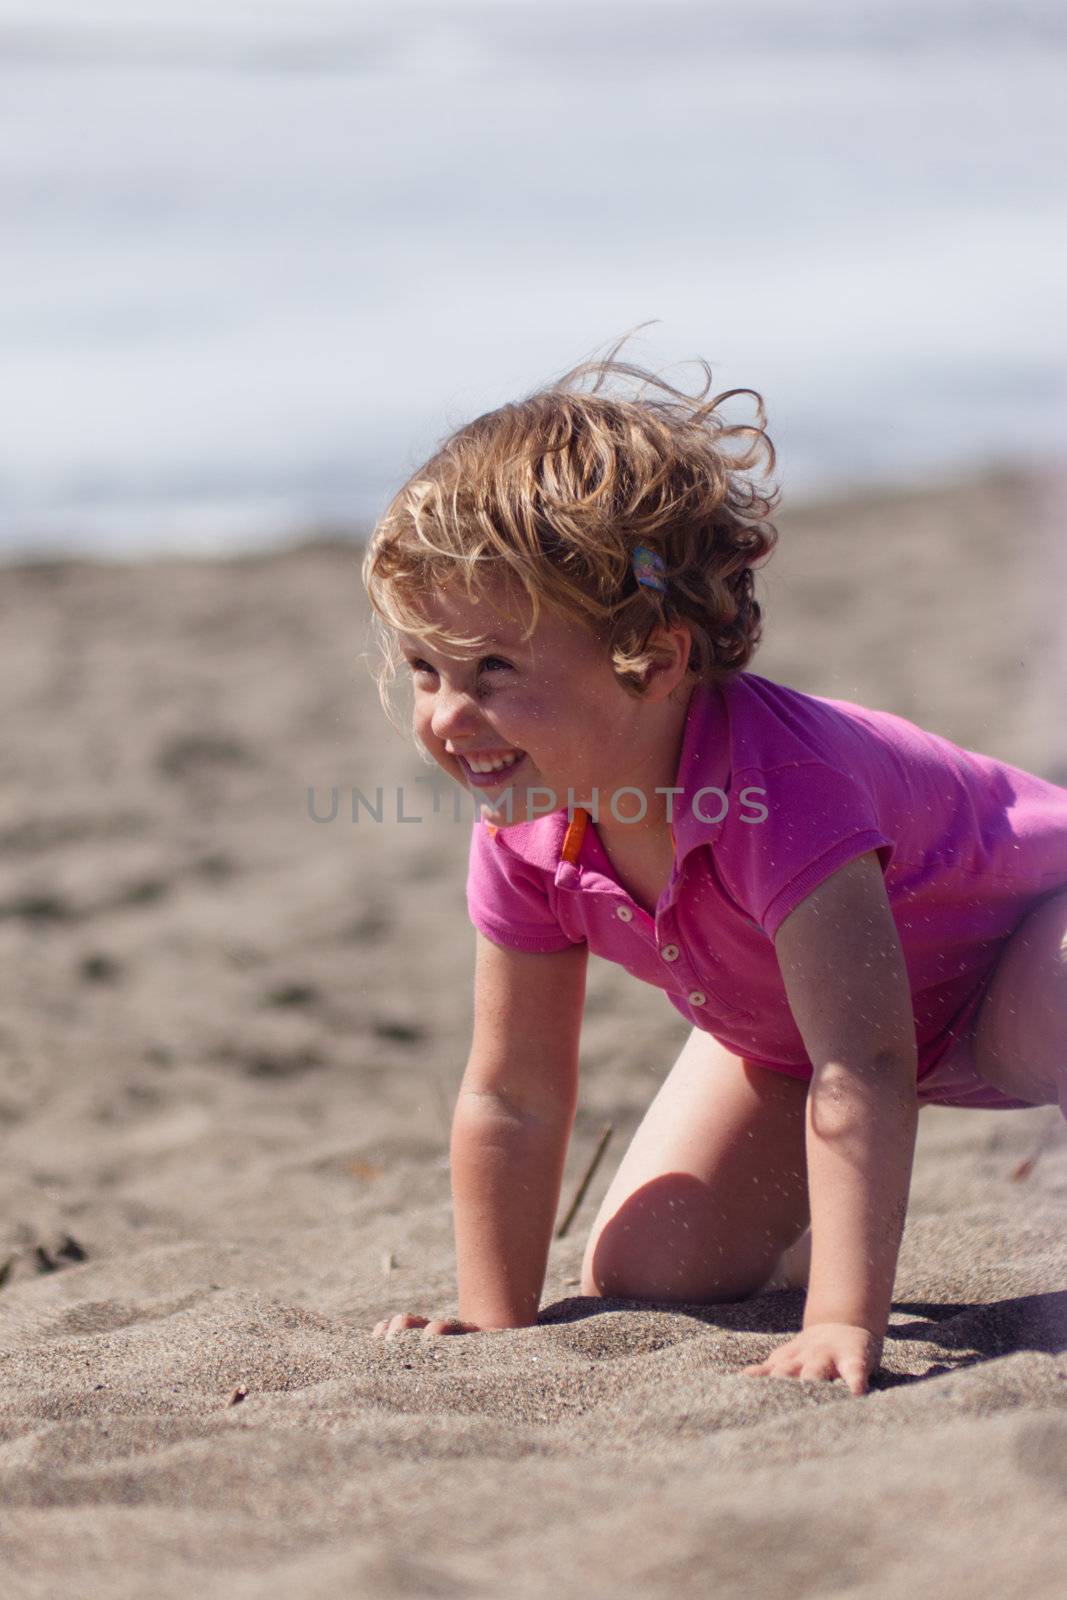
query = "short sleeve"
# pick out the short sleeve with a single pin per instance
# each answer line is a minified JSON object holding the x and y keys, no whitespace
{"x":815,"y":819}
{"x":507,"y":897}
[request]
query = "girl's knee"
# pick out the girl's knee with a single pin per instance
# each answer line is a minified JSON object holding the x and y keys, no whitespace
{"x":661,"y":1244}
{"x":667,"y":1286}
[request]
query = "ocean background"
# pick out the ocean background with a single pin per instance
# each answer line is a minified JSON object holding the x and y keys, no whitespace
{"x":257,"y":260}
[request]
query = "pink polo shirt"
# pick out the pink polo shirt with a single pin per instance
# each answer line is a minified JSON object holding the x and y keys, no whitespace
{"x":795,"y":786}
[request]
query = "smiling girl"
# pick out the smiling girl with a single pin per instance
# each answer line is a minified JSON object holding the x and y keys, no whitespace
{"x":855,"y":916}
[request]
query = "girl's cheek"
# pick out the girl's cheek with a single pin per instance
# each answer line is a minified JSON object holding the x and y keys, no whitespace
{"x":525,"y":711}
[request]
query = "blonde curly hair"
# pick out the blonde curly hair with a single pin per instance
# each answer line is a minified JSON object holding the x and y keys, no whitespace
{"x":554,"y":492}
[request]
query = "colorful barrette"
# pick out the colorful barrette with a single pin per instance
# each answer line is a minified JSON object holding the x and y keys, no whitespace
{"x":648,"y":568}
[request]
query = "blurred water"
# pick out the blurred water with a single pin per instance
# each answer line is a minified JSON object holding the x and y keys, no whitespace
{"x":257,"y":260}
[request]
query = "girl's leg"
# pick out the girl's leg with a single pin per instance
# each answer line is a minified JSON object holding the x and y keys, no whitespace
{"x":712,"y":1189}
{"x":1020,"y":1038}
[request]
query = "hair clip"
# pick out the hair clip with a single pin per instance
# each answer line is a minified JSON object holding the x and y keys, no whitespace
{"x":648,"y":568}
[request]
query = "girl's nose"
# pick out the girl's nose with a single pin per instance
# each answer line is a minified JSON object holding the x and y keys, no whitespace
{"x":455,"y":716}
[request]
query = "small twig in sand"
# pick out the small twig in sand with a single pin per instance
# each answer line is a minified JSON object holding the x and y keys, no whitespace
{"x":602,"y":1145}
{"x":388,"y":1262}
{"x":238,"y":1395}
{"x":1028,"y":1163}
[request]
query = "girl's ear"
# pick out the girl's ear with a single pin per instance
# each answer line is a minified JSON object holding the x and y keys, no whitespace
{"x":672,"y":644}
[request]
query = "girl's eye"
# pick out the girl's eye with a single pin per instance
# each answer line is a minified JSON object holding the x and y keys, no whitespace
{"x":492,"y":663}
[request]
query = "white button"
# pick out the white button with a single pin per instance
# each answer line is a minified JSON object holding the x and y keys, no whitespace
{"x":669,"y":952}
{"x":624,"y":913}
{"x":698,"y":998}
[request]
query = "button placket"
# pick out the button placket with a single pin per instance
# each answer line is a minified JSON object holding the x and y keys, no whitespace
{"x":672,"y":953}
{"x":671,"y":950}
{"x":692,"y":986}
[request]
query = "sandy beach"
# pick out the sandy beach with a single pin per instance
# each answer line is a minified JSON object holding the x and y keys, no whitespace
{"x":231,"y":1036}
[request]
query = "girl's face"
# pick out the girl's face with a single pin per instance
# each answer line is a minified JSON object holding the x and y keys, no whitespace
{"x":547,"y":713}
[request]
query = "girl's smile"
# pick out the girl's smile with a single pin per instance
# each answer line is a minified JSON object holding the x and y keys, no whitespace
{"x":486,"y":770}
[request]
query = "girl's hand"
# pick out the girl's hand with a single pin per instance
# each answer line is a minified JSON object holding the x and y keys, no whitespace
{"x":825,"y":1350}
{"x":405,"y":1319}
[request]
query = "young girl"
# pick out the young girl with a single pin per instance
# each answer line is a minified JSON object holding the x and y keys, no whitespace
{"x":856,"y":916}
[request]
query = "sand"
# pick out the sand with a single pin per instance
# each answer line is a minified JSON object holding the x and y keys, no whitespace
{"x":231,"y":1036}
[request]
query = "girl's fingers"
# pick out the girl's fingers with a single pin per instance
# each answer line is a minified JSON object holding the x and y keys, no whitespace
{"x":815,"y":1369}
{"x":390,"y":1325}
{"x":406,"y":1320}
{"x":380,"y":1329}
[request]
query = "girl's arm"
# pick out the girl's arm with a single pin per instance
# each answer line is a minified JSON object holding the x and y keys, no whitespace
{"x":847,"y":985}
{"x":512,"y":1126}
